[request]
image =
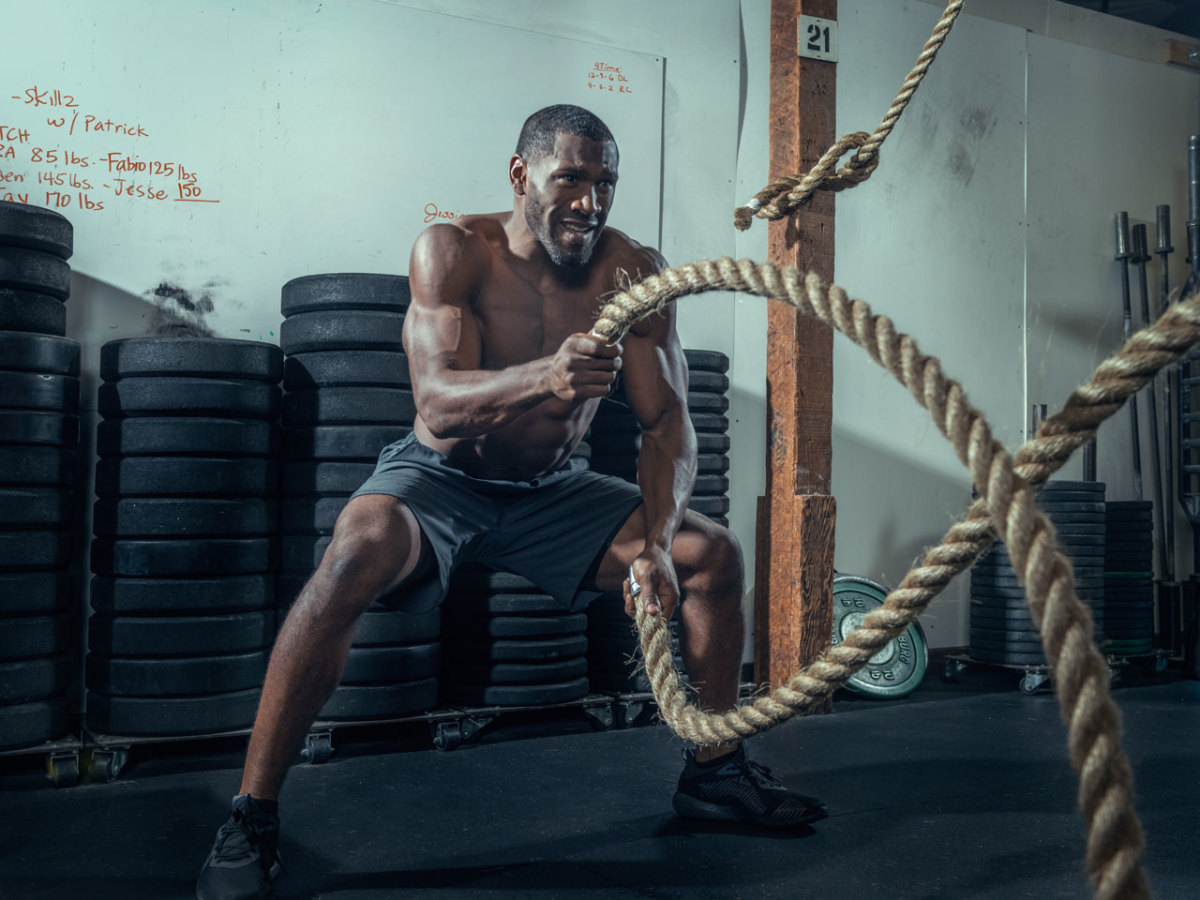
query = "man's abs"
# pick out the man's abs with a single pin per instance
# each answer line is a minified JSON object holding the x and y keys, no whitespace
{"x":530,"y":446}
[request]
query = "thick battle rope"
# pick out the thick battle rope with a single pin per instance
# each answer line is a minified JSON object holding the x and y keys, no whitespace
{"x":1005,"y":509}
{"x":866,"y":146}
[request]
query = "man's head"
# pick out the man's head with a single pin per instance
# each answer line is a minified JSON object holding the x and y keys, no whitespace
{"x":564,"y":175}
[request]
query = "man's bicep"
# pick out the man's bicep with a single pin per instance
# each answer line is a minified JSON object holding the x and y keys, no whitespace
{"x":440,"y":329}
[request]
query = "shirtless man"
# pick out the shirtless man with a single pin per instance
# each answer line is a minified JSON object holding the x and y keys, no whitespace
{"x":506,"y":380}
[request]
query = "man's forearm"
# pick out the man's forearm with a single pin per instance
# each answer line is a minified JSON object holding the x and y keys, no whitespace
{"x":468,"y":404}
{"x":667,"y":474}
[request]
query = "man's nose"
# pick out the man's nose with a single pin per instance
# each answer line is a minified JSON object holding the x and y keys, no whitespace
{"x":587,"y":202}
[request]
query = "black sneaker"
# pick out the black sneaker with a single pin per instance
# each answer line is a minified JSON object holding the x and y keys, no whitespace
{"x":244,"y":859}
{"x":734,"y":788}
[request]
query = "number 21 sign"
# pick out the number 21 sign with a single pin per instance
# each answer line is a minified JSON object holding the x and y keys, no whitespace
{"x":818,"y":38}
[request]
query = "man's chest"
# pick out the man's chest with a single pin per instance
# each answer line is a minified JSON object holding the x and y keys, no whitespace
{"x":519,"y":322}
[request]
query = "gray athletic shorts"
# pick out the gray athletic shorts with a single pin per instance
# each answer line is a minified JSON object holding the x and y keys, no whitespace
{"x":551,"y":530}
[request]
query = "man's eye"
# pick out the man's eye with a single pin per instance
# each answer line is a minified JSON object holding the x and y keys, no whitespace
{"x":569,"y":179}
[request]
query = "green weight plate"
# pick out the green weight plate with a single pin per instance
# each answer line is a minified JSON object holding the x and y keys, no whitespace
{"x":378,"y":368}
{"x":517,"y":650}
{"x":516,"y":694}
{"x":35,"y":228}
{"x":169,"y":395}
{"x":188,"y":676}
{"x":318,"y":477}
{"x":345,"y":291}
{"x":32,"y":311}
{"x":182,"y":557}
{"x":169,"y":636}
{"x":346,"y":329}
{"x":190,"y":596}
{"x":519,"y":673}
{"x":178,"y":476}
{"x":30,"y":724}
{"x":25,"y":680}
{"x":380,"y":701}
{"x":707,"y":360}
{"x":897,"y":669}
{"x":201,"y":357}
{"x":349,"y":406}
{"x":341,"y":442}
{"x":389,"y":664}
{"x":170,"y":716}
{"x":45,"y":353}
{"x":23,"y":269}
{"x":35,"y":593}
{"x":29,"y":637}
{"x":187,"y":436}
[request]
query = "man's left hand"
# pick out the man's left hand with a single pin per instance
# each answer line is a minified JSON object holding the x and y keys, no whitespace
{"x":655,"y":574}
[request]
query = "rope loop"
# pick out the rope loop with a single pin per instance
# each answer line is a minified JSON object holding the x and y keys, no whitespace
{"x":1005,"y":510}
{"x":865,"y":161}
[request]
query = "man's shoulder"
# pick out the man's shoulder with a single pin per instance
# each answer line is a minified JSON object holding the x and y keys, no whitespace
{"x":626,"y":253}
{"x":461,"y":246}
{"x":463,"y":233}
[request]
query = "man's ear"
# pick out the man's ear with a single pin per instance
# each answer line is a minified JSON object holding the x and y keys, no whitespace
{"x":518,"y":173}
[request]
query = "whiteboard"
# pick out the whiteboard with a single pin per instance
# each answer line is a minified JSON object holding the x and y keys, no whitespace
{"x":207,"y":154}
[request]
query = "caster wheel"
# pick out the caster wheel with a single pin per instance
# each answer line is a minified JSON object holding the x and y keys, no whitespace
{"x":448,"y":736}
{"x":1031,"y":681}
{"x":318,"y":748}
{"x":106,"y":765}
{"x":951,"y":670}
{"x":63,"y":769}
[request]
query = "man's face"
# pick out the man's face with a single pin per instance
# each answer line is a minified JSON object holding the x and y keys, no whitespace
{"x":568,"y":194}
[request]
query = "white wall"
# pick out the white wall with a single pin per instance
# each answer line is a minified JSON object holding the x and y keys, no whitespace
{"x":940,"y":238}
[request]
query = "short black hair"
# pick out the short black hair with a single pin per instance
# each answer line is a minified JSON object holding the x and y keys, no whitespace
{"x":537,"y":134}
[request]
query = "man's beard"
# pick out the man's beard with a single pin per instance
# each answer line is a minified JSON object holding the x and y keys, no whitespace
{"x":574,"y":257}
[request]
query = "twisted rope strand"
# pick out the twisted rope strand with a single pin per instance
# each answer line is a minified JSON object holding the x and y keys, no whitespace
{"x":866,"y":147}
{"x":1004,"y":509}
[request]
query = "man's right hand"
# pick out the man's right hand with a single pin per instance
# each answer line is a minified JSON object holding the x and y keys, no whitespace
{"x":584,"y":367}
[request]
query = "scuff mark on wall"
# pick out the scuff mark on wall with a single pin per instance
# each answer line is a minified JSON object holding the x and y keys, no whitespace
{"x":177,"y":313}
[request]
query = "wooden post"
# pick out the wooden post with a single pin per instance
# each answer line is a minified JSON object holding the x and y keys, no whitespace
{"x":794,"y":563}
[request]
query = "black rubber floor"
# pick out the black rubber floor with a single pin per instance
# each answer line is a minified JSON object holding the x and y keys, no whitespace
{"x":950,"y":793}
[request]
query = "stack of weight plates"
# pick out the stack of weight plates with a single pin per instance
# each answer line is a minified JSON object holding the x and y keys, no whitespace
{"x":506,"y":643}
{"x":39,"y":431}
{"x":1002,"y":629}
{"x":614,"y":439}
{"x":899,"y":667}
{"x":35,"y":278}
{"x":708,"y":404}
{"x":185,"y":529}
{"x":349,"y":395}
{"x":615,"y":661}
{"x":1128,"y":626}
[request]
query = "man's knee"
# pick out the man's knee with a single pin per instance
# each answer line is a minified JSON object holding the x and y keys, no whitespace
{"x":376,"y":544}
{"x":716,"y":564}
